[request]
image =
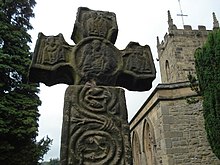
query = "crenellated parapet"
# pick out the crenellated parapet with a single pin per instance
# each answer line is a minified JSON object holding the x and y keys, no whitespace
{"x":186,"y":31}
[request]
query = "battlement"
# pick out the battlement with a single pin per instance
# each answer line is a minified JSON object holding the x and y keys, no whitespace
{"x":187,"y":31}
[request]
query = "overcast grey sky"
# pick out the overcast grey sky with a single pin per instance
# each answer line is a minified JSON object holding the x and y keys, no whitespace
{"x":140,"y":21}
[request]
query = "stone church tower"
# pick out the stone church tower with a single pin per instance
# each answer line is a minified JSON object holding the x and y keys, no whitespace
{"x":176,"y":51}
{"x":167,"y":130}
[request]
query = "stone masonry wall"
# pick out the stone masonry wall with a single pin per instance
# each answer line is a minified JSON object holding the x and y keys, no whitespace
{"x":140,"y":131}
{"x":183,"y":134}
{"x":177,"y":133}
{"x":176,"y":53}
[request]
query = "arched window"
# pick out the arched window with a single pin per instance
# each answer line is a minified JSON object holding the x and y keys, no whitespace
{"x":167,"y":69}
{"x":149,"y":143}
{"x":136,"y":150}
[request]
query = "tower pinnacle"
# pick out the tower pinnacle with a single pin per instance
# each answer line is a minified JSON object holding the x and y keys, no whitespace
{"x":215,"y":21}
{"x":170,"y":20}
{"x":158,"y":41}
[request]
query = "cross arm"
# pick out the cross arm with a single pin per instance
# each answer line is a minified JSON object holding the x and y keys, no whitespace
{"x":138,"y":68}
{"x":51,"y":63}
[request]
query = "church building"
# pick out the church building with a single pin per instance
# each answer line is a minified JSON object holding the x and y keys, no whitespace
{"x":168,"y":130}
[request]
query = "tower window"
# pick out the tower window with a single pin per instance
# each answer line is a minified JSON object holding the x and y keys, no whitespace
{"x":167,"y":69}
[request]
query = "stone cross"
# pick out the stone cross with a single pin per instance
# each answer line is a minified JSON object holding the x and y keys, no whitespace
{"x":95,"y":128}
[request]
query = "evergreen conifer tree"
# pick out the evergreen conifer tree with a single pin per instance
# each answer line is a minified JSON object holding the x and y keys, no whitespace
{"x":18,"y":99}
{"x":208,"y":73}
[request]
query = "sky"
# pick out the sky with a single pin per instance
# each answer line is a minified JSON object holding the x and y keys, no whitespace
{"x":139,"y":21}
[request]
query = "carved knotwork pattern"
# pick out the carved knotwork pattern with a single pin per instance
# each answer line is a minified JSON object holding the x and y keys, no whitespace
{"x":98,"y":129}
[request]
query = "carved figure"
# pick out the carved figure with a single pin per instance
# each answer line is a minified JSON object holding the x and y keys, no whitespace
{"x":53,"y":51}
{"x":96,"y":60}
{"x":137,"y":62}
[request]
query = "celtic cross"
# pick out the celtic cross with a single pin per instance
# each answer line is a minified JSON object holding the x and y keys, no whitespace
{"x":95,"y":128}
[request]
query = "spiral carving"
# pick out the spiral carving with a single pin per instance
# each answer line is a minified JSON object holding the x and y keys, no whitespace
{"x":96,"y":130}
{"x":96,"y":147}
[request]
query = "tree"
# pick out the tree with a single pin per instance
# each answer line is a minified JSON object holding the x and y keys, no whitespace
{"x":208,"y":73}
{"x":18,"y":99}
{"x":52,"y":162}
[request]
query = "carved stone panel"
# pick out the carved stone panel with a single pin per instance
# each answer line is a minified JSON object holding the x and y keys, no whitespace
{"x":51,"y":50}
{"x":138,"y":67}
{"x":96,"y":59}
{"x":95,"y":129}
{"x":50,"y":63}
{"x":94,"y":23}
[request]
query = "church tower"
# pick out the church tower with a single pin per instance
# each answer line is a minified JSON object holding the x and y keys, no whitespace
{"x":167,"y":130}
{"x":176,"y":51}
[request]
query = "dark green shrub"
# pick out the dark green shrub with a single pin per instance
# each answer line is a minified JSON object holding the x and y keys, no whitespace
{"x":207,"y":61}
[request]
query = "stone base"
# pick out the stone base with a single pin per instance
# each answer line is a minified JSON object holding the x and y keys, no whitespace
{"x":95,"y":128}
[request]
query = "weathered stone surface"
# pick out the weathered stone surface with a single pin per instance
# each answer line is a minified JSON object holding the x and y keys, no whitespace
{"x":95,"y":128}
{"x":90,"y":23}
{"x":94,"y":57}
{"x":138,"y":68}
{"x":177,"y":128}
{"x":51,"y":61}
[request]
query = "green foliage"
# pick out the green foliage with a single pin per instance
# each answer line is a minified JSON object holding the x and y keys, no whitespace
{"x":52,"y":162}
{"x":194,"y":83}
{"x":194,"y":87}
{"x":208,"y":73}
{"x":19,"y":101}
